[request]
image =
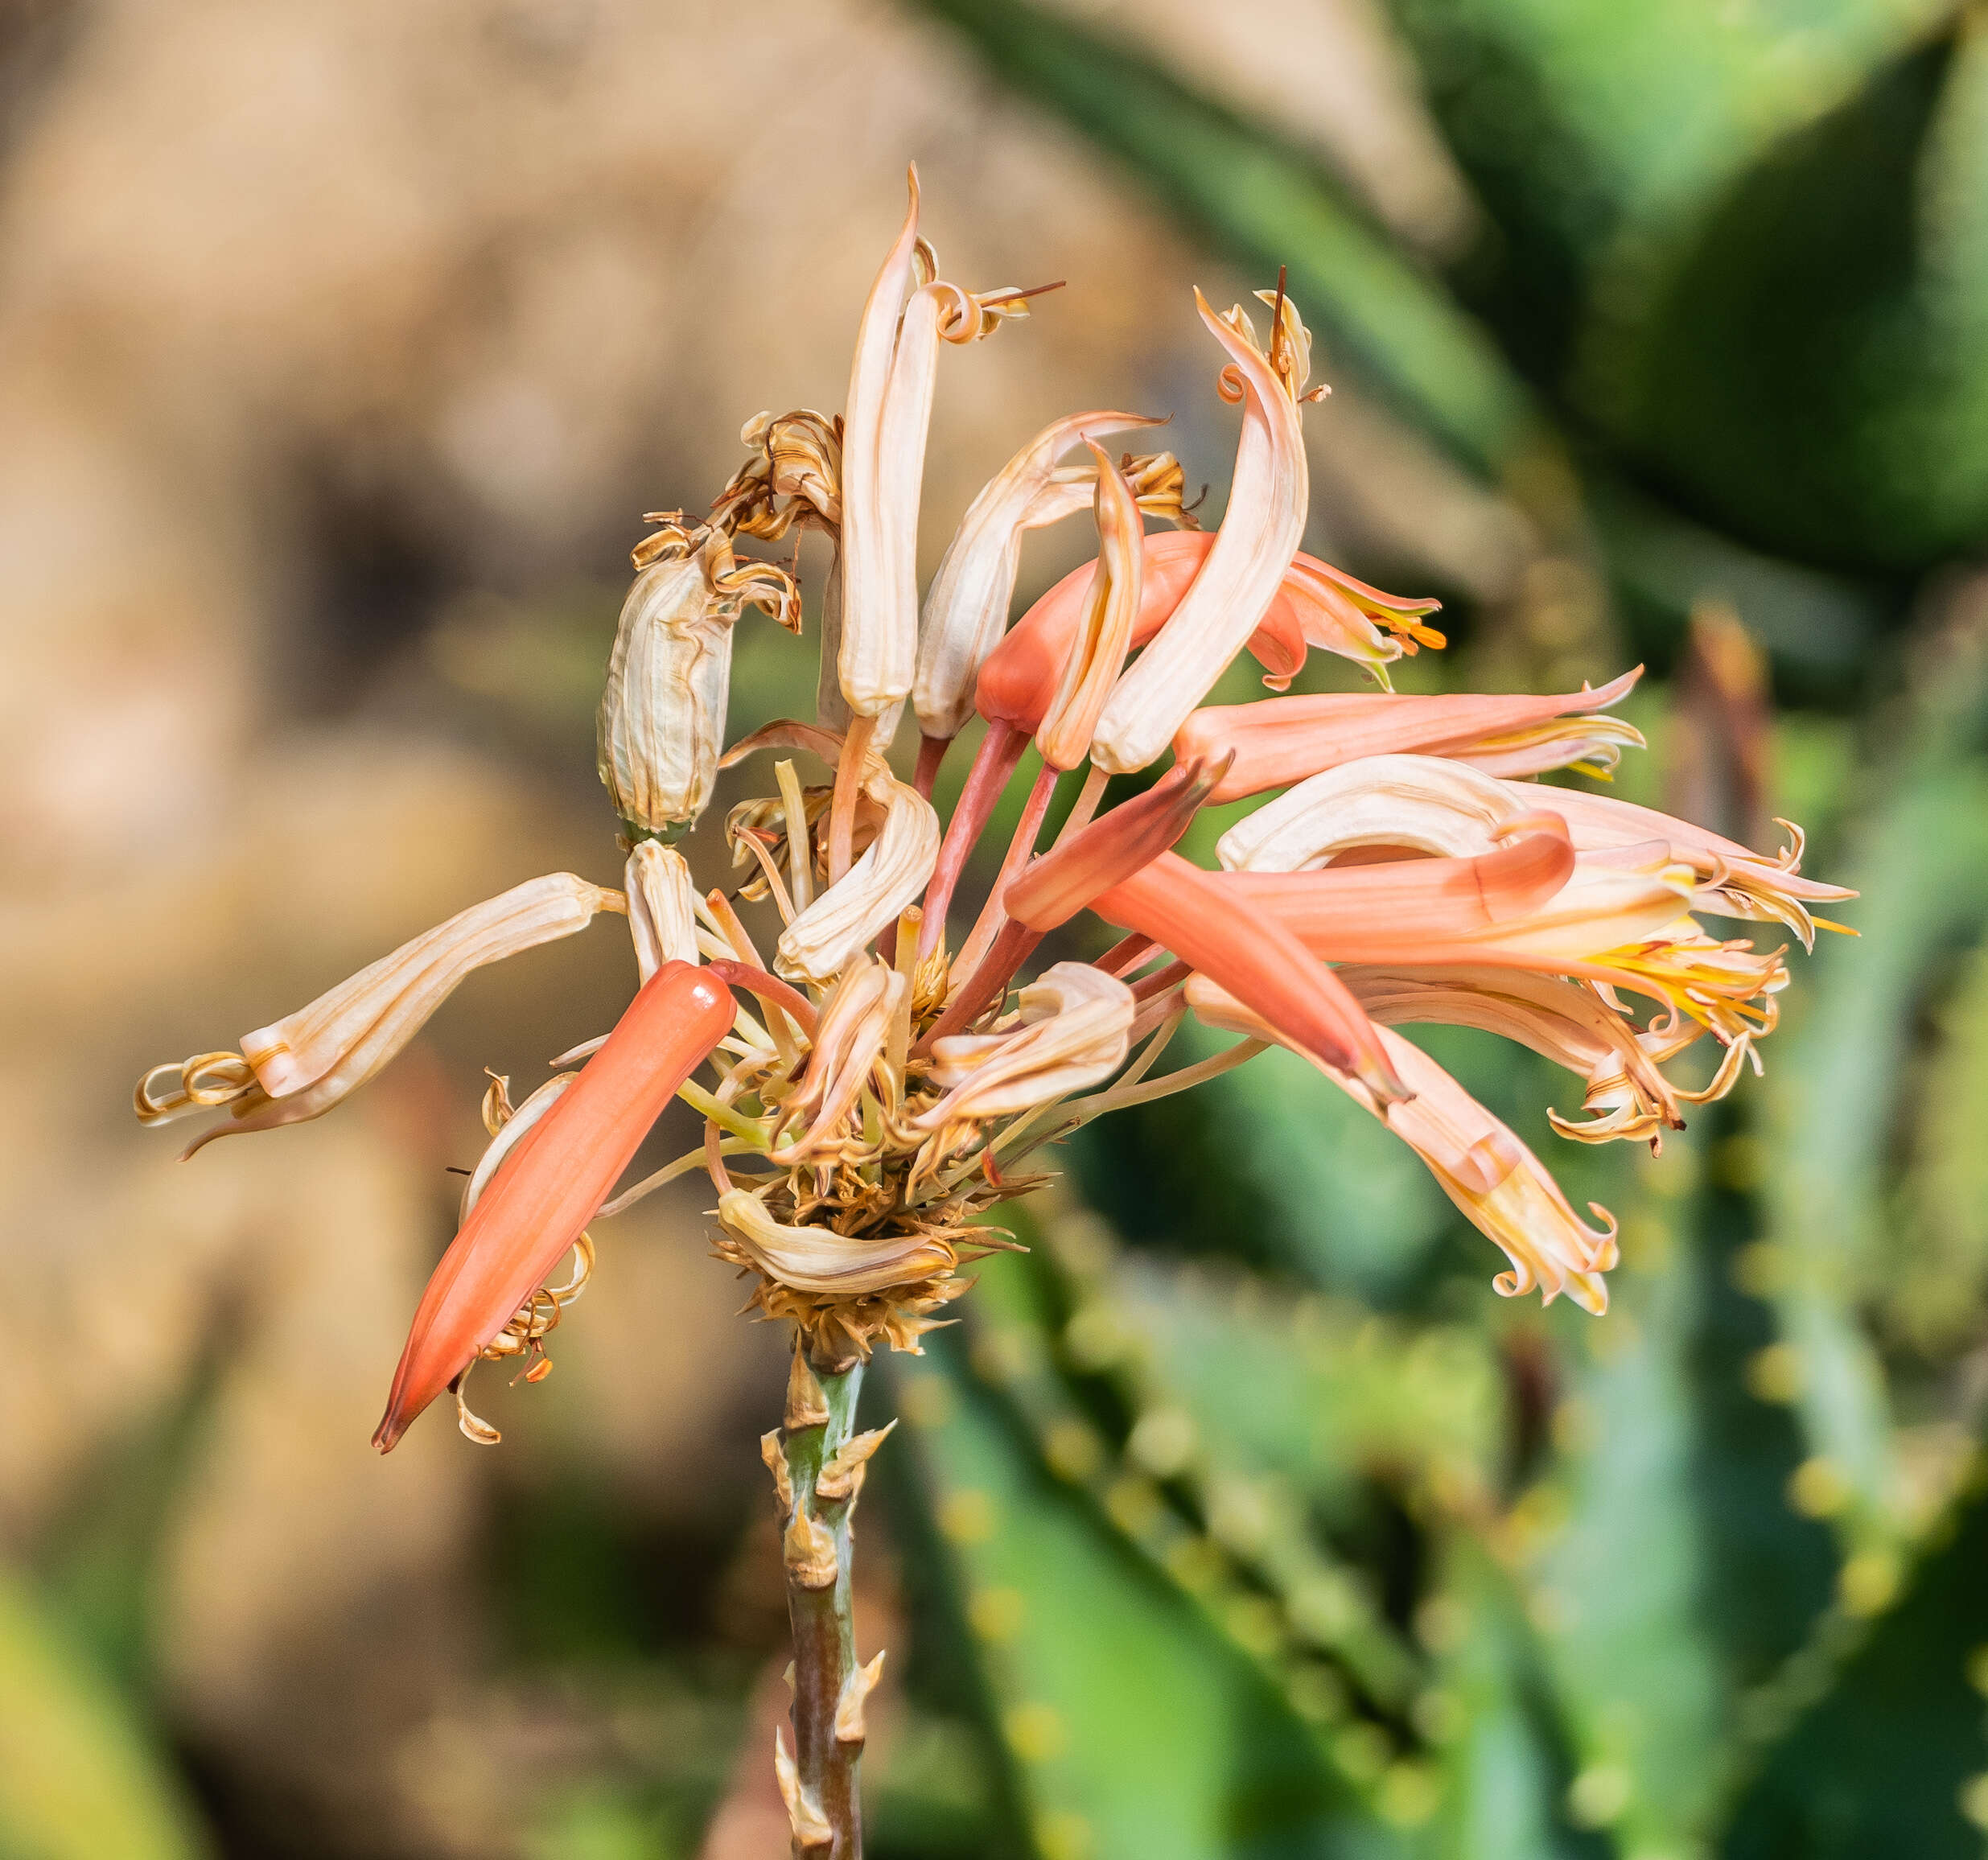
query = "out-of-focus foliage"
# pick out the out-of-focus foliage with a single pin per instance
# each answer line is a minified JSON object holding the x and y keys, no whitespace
{"x":81,"y":1776}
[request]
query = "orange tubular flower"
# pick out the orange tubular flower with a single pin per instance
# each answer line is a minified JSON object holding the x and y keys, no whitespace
{"x":1247,"y":952}
{"x":1501,"y":1187}
{"x":1361,"y":913}
{"x":1282,"y":740}
{"x":1019,"y":677}
{"x":538,"y":1205}
{"x":1067,"y":880}
{"x":1738,"y":882}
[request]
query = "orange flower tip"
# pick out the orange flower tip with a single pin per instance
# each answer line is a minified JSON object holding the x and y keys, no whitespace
{"x":1379,"y":1079}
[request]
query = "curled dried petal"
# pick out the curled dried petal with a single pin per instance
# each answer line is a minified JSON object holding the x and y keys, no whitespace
{"x":1738,"y":882}
{"x":1268,"y":501}
{"x":848,"y":1043}
{"x":818,"y":1259}
{"x":1071,"y":1032}
{"x":794,"y":477}
{"x":891,"y":874}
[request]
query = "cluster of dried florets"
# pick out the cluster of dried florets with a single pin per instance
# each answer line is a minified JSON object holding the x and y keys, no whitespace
{"x":876,"y":1089}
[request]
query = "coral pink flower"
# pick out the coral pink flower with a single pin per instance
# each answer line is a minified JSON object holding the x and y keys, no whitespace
{"x":537,"y":1205}
{"x":1282,"y":740}
{"x":1019,"y":678}
{"x":1199,"y":917}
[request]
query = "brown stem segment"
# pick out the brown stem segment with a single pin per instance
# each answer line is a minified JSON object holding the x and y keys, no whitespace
{"x":818,"y":1460}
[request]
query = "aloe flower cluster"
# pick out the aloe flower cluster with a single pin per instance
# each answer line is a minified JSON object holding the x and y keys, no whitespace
{"x":876,"y":1086}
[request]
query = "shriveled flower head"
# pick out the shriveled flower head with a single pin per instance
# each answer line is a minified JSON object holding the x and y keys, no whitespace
{"x":883,"y":1070}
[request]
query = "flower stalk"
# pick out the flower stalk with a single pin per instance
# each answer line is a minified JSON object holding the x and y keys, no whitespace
{"x":818,"y":1461}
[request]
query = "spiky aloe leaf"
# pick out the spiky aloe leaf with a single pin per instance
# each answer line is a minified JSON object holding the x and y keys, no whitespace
{"x":1131,"y":1731}
{"x":1891,"y":1758}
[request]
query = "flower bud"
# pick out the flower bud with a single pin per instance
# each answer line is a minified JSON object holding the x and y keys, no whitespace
{"x":662,"y":718}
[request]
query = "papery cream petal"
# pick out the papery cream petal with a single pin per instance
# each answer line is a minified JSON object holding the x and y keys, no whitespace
{"x":878,"y":656}
{"x":662,"y":908}
{"x":1268,"y":502}
{"x":661,"y":722}
{"x":345,"y":1036}
{"x":966,"y":608}
{"x":1421,"y":802}
{"x":847,"y":916}
{"x":1072,"y":1032}
{"x":871,"y":626}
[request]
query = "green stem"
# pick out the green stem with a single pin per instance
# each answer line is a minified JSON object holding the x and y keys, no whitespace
{"x":818,"y":1461}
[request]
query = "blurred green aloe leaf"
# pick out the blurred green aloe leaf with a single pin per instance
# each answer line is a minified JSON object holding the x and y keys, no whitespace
{"x":1932,"y":1295}
{"x":1504,"y":1776}
{"x":1591,"y":132}
{"x":1891,"y":1759}
{"x":1669,"y":1572}
{"x":1745,"y":241}
{"x":1272,"y":205}
{"x":1131,"y":1729}
{"x":1919,"y":858}
{"x":79,"y":1777}
{"x":1815,"y":373}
